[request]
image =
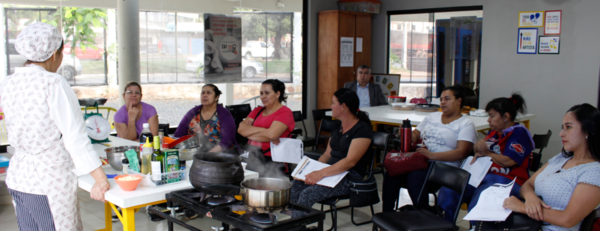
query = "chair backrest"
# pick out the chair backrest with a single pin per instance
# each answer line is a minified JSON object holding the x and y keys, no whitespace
{"x":327,"y":125}
{"x":165,"y":128}
{"x":588,"y":222}
{"x":380,"y":142}
{"x":239,"y":113}
{"x":298,"y":118}
{"x":444,"y":175}
{"x":540,"y":141}
{"x":318,"y":115}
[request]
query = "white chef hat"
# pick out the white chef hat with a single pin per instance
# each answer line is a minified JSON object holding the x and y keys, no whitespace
{"x":38,"y":41}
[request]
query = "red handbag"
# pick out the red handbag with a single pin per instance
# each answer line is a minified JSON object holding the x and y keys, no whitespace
{"x":399,"y":163}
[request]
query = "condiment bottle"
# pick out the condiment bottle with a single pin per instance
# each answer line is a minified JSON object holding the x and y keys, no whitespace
{"x":147,"y":157}
{"x":156,"y":162}
{"x":406,"y":132}
{"x":125,"y":163}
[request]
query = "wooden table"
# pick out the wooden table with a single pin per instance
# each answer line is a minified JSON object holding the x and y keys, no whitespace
{"x":388,"y":116}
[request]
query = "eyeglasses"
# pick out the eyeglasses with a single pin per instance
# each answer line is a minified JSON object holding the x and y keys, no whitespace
{"x":133,"y":92}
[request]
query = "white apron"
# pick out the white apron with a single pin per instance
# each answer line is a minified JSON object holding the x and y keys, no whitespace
{"x":39,"y":107}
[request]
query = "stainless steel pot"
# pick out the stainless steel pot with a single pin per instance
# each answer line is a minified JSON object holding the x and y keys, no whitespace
{"x":265,"y":194}
{"x":115,"y":155}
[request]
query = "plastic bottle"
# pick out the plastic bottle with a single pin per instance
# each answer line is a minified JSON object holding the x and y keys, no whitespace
{"x":406,"y":133}
{"x":147,"y":157}
{"x":144,"y":135}
{"x":125,"y":163}
{"x":157,"y":157}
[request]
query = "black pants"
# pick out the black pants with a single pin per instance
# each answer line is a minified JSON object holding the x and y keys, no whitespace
{"x":412,"y":181}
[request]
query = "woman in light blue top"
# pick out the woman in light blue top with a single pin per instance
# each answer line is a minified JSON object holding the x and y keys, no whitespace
{"x":567,"y":188}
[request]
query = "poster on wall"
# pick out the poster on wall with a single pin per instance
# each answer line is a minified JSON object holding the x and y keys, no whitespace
{"x":346,"y":52}
{"x":531,"y":18}
{"x":553,"y":22}
{"x":222,"y":49}
{"x":389,"y":83}
{"x":549,"y":45}
{"x":527,"y":41}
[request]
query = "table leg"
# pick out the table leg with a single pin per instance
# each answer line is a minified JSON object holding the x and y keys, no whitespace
{"x":526,"y":124}
{"x":128,"y":219}
{"x":107,"y":217}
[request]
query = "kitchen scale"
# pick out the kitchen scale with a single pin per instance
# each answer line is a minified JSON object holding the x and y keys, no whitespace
{"x":96,"y":126}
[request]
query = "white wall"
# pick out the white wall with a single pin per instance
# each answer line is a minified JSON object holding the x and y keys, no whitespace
{"x":550,"y":84}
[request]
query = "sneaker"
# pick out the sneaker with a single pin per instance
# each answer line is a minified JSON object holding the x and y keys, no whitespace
{"x":114,"y":216}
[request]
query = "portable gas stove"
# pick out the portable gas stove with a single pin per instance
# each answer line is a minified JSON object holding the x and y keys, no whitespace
{"x":223,"y":206}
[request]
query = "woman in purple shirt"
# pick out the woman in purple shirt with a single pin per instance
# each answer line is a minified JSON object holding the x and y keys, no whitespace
{"x":211,"y":120}
{"x":131,"y":116}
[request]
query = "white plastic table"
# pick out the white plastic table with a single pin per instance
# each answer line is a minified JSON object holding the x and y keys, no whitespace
{"x":388,"y":116}
{"x":143,"y":196}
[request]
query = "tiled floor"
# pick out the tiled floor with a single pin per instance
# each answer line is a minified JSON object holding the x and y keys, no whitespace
{"x":92,"y":215}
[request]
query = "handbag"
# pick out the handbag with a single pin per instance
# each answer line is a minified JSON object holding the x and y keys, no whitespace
{"x":362,"y":192}
{"x":399,"y":163}
{"x":514,"y":222}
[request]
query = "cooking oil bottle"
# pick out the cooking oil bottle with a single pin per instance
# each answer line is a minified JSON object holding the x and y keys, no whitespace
{"x":147,"y":157}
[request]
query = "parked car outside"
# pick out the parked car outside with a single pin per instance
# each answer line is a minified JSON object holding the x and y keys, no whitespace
{"x":69,"y":68}
{"x":90,"y":53}
{"x":257,"y":49}
{"x":249,"y":68}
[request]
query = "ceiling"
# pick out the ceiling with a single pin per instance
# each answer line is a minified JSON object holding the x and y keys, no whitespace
{"x":189,"y":6}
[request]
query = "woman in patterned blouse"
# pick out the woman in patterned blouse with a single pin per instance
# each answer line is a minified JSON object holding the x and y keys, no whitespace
{"x":211,"y":120}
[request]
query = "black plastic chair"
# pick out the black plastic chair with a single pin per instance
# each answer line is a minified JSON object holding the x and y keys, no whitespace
{"x":588,"y":222}
{"x":327,"y":125}
{"x":165,"y":128}
{"x":318,"y":116}
{"x":302,"y":134}
{"x":239,"y":113}
{"x":379,"y":143}
{"x":439,"y":175}
{"x":541,"y":142}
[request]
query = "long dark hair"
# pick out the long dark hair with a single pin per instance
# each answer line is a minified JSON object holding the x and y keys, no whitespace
{"x":589,"y":118}
{"x":515,"y":103}
{"x":458,"y":93}
{"x":350,"y":98}
{"x":277,"y":86}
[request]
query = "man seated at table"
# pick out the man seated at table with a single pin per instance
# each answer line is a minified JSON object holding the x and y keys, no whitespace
{"x":369,"y":93}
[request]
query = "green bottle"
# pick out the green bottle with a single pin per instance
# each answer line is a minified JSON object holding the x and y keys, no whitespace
{"x":157,"y":160}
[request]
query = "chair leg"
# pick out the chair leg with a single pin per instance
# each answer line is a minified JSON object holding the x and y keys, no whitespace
{"x":333,"y":210}
{"x":362,"y":223}
{"x":374,"y":227}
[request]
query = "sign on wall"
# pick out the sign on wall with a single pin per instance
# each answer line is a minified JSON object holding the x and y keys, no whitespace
{"x":549,"y":45}
{"x":222,"y":48}
{"x":531,"y":18}
{"x":389,"y":83}
{"x":553,"y":22}
{"x":527,"y":41}
{"x":346,"y":52}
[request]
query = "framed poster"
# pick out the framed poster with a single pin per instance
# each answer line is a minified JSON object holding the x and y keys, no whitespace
{"x":527,"y":41}
{"x":531,"y":19}
{"x":389,"y":83}
{"x":553,"y":22}
{"x":549,"y":45}
{"x":222,"y":46}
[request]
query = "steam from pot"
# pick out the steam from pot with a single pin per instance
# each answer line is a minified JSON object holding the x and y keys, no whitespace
{"x":253,"y":156}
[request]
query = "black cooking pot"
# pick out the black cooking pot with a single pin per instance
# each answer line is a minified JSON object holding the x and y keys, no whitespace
{"x":216,"y":168}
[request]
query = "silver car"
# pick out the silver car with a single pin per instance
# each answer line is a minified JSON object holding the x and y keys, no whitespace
{"x":70,"y":67}
{"x":249,"y":68}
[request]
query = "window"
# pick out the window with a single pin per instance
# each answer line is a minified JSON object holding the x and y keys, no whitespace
{"x":441,"y":48}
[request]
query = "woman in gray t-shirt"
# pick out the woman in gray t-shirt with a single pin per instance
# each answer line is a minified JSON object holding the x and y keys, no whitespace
{"x":567,"y":188}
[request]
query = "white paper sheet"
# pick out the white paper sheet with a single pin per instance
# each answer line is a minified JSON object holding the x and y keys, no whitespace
{"x":359,"y":44}
{"x":346,"y":51}
{"x":308,"y":165}
{"x":489,"y":206}
{"x":287,"y":151}
{"x":478,"y":169}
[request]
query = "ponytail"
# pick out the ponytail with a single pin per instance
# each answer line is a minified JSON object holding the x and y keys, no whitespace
{"x":512,"y":105}
{"x":363,"y":116}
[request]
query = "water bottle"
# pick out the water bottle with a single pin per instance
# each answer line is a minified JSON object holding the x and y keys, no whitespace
{"x":145,"y":135}
{"x":406,"y":132}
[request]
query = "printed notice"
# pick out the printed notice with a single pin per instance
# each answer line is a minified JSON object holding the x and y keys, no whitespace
{"x":531,"y":19}
{"x":527,"y":43}
{"x":549,"y":45}
{"x":553,"y":21}
{"x":346,"y":52}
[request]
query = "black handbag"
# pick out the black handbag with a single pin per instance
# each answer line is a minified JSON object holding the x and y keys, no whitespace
{"x":363,"y":192}
{"x":514,"y":222}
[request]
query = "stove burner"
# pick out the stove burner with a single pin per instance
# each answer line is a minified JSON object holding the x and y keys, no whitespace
{"x":264,"y":218}
{"x":220,"y":200}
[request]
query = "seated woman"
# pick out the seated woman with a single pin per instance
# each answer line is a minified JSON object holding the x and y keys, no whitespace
{"x":345,"y":151}
{"x":449,"y":137}
{"x":565,"y":190}
{"x":269,"y":122}
{"x":510,"y":146}
{"x":130,"y":118}
{"x":211,"y":120}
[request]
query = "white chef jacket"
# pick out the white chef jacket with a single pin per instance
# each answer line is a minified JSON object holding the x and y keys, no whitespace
{"x":40,"y":107}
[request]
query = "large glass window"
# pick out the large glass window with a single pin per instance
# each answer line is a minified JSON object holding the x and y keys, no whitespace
{"x":434,"y":50}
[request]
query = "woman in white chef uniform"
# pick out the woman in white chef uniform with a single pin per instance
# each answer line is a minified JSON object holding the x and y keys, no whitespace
{"x":46,"y":128}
